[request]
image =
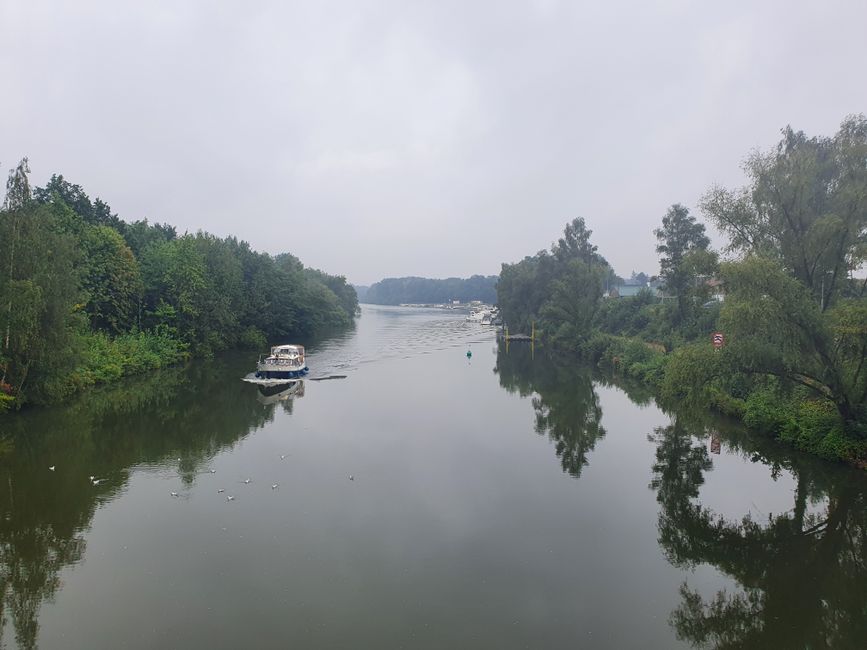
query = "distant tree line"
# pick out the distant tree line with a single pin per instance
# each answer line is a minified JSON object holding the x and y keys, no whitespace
{"x":793,"y":317}
{"x":398,"y":291}
{"x":86,"y":297}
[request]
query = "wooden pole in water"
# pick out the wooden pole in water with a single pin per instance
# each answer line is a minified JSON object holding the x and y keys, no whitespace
{"x":533,"y":332}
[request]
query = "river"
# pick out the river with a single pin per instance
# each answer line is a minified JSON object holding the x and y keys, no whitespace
{"x":507,"y":500}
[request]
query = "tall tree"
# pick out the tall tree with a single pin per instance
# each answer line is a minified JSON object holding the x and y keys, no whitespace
{"x":575,"y":244}
{"x":681,"y":241}
{"x":17,"y":197}
{"x":805,"y":205}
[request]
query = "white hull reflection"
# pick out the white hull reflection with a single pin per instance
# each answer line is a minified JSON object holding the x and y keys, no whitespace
{"x":280,"y":392}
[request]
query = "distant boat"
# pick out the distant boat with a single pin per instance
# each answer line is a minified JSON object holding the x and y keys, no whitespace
{"x":285,"y":364}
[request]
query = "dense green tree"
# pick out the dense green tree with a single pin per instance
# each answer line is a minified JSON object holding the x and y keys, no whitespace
{"x":523,"y":288}
{"x":96,"y":213}
{"x":111,"y":280}
{"x":575,"y":245}
{"x":346,"y":296}
{"x":684,"y":263}
{"x":414,"y":290}
{"x":148,"y":294}
{"x":140,"y":234}
{"x":560,"y":290}
{"x":805,"y":206}
{"x":39,"y":289}
{"x":574,"y":299}
{"x":776,"y":328}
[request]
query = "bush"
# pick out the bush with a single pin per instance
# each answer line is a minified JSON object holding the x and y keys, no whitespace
{"x":107,"y":359}
{"x":253,"y":338}
{"x":811,"y":425}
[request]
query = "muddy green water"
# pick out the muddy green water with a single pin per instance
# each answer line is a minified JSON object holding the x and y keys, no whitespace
{"x":506,"y":501}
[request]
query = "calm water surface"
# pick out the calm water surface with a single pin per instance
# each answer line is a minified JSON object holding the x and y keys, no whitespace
{"x":504,"y":501}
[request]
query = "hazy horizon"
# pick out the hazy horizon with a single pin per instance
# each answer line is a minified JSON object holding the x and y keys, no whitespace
{"x":432,"y":140}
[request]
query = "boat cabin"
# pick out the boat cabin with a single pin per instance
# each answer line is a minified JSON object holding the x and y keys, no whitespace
{"x":288,"y":352}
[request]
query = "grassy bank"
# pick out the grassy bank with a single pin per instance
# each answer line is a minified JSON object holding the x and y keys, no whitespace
{"x":791,"y":415}
{"x":104,"y":359}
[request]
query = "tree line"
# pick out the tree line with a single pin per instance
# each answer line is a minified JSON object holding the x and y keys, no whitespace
{"x":86,"y":297}
{"x":414,"y":290}
{"x":793,"y":312}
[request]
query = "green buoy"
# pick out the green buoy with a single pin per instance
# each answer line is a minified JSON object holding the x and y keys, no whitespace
{"x":469,"y":354}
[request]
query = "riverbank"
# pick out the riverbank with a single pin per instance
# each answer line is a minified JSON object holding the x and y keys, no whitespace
{"x":103,"y":360}
{"x":797,"y":419}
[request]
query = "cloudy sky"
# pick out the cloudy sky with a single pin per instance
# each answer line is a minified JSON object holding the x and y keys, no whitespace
{"x":390,"y":138}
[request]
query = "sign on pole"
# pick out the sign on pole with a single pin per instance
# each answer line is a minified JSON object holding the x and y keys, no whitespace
{"x":718,"y":340}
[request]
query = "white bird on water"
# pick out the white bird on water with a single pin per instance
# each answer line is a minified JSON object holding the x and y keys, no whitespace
{"x":230,"y":498}
{"x":275,"y":486}
{"x":351,"y":477}
{"x":212,"y":471}
{"x":246,"y":481}
{"x":282,"y":456}
{"x":52,"y":467}
{"x":97,"y":481}
{"x":220,"y":491}
{"x":174,"y":494}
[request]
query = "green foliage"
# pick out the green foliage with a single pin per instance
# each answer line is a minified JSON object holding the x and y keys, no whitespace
{"x":629,"y":316}
{"x":777,"y":329}
{"x":574,"y":298}
{"x":809,"y":424}
{"x":805,"y":206}
{"x":106,"y":359}
{"x":633,"y":358}
{"x":86,"y":298}
{"x":111,"y":280}
{"x":685,"y":261}
{"x":794,"y":318}
{"x":253,"y":338}
{"x":560,"y":291}
{"x":413,"y":290}
{"x":39,"y":299}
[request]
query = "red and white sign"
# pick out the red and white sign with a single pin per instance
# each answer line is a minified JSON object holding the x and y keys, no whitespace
{"x":718,"y":340}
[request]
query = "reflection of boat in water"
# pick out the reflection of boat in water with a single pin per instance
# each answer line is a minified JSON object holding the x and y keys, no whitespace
{"x":280,"y":392}
{"x":284,"y":364}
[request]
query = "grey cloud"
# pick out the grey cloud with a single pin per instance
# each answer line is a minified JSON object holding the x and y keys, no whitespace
{"x":393,"y":138}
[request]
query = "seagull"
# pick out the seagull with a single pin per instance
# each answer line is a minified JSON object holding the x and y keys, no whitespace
{"x":92,"y":477}
{"x":230,"y":498}
{"x":351,"y":477}
{"x":212,"y":471}
{"x":52,"y":467}
{"x":246,"y":481}
{"x":275,"y":486}
{"x":282,"y":456}
{"x":220,"y":491}
{"x":174,"y":494}
{"x":97,"y":481}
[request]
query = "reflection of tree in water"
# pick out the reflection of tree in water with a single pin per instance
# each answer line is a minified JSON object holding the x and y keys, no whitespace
{"x":189,"y":414}
{"x":567,"y":408}
{"x":803,"y":574}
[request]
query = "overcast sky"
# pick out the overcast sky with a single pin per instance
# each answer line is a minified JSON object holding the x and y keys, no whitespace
{"x":440,"y":138}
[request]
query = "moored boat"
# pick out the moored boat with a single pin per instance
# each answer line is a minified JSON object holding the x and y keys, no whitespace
{"x":285,"y":363}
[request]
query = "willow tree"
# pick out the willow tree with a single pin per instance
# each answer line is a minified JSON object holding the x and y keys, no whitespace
{"x":792,"y":309}
{"x":805,"y":206}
